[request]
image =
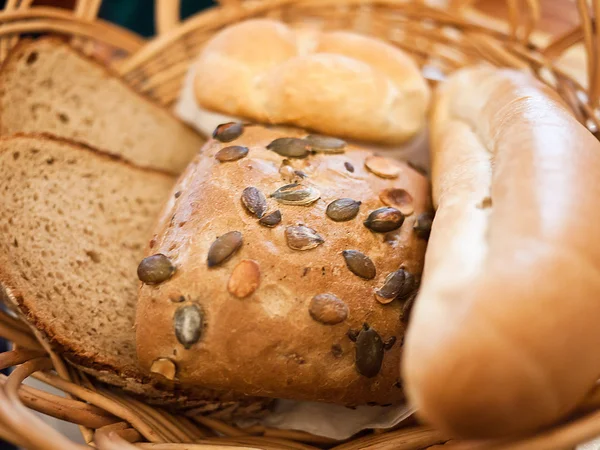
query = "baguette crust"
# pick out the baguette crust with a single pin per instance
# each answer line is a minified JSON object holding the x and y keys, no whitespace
{"x":337,"y":83}
{"x":269,"y":343}
{"x":504,"y":329}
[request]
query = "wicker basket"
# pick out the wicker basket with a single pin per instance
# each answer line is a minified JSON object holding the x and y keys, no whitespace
{"x":440,"y":40}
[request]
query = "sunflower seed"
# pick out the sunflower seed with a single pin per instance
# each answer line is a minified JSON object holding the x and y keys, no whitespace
{"x":382,"y":167}
{"x":296,"y":194}
{"x":231,"y":153}
{"x":271,"y":220}
{"x":422,"y":226}
{"x":301,"y":238}
{"x":398,"y":284}
{"x":223,"y":247}
{"x":227,"y":132}
{"x":188,"y":325}
{"x":244,"y":279}
{"x":359,"y":264}
{"x":349,"y":167}
{"x":328,"y":309}
{"x":383,"y":220}
{"x":155,"y":269}
{"x":369,"y":352}
{"x":164,"y":367}
{"x":254,"y":201}
{"x":325,"y":144}
{"x":290,"y":147}
{"x":399,"y":199}
{"x":343,"y":209}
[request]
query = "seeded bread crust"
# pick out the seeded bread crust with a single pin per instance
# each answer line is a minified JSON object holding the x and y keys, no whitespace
{"x":268,"y":342}
{"x":73,"y":223}
{"x":48,"y":87}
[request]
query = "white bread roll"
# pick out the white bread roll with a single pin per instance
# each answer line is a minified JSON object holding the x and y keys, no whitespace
{"x":337,"y":83}
{"x":504,"y":336}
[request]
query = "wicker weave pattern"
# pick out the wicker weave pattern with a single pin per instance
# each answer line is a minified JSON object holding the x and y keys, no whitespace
{"x":443,"y":40}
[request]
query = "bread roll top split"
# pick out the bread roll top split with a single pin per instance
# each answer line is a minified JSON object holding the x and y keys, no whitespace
{"x":264,"y":278}
{"x":338,"y":83}
{"x":505,"y":324}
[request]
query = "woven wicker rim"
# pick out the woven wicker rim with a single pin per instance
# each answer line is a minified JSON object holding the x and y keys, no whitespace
{"x":440,"y":39}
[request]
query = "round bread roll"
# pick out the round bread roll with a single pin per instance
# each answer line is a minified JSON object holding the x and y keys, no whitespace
{"x":254,"y":281}
{"x":504,"y":336}
{"x":338,"y":83}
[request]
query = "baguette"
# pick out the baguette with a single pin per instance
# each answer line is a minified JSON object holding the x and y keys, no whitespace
{"x":504,"y":335}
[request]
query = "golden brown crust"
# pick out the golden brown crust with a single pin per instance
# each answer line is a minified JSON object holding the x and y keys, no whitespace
{"x":339,"y":83}
{"x":504,"y":331}
{"x":268,"y":343}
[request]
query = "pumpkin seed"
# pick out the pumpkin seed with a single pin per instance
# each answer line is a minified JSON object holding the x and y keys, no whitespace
{"x":359,"y":264}
{"x":188,"y":325}
{"x":254,"y":201}
{"x":382,"y":167}
{"x":369,"y":352}
{"x":399,"y":199}
{"x":164,"y":367}
{"x":383,"y":220}
{"x":227,"y":132}
{"x":343,"y":209}
{"x":389,"y":343}
{"x":290,"y":147}
{"x":422,"y":226}
{"x":325,"y":144}
{"x":271,"y":220}
{"x":349,"y":167}
{"x":244,"y":279}
{"x":296,"y":194}
{"x":399,"y":284}
{"x":301,"y":238}
{"x":231,"y":153}
{"x":155,"y":269}
{"x":223,"y":247}
{"x":328,"y":309}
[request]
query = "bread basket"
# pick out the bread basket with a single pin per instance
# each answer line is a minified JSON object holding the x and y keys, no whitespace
{"x":441,"y":40}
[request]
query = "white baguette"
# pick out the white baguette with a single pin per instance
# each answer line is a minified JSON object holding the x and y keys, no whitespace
{"x":504,"y":335}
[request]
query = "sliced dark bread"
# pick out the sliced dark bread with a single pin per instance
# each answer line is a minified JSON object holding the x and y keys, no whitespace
{"x":74,"y":223}
{"x":48,"y":87}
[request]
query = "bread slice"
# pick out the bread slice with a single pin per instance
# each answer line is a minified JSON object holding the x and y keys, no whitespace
{"x":74,"y":223}
{"x":48,"y":87}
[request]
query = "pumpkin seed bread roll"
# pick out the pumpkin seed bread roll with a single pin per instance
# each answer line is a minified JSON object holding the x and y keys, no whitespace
{"x":504,"y":335}
{"x":338,"y":83}
{"x":282,"y":266}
